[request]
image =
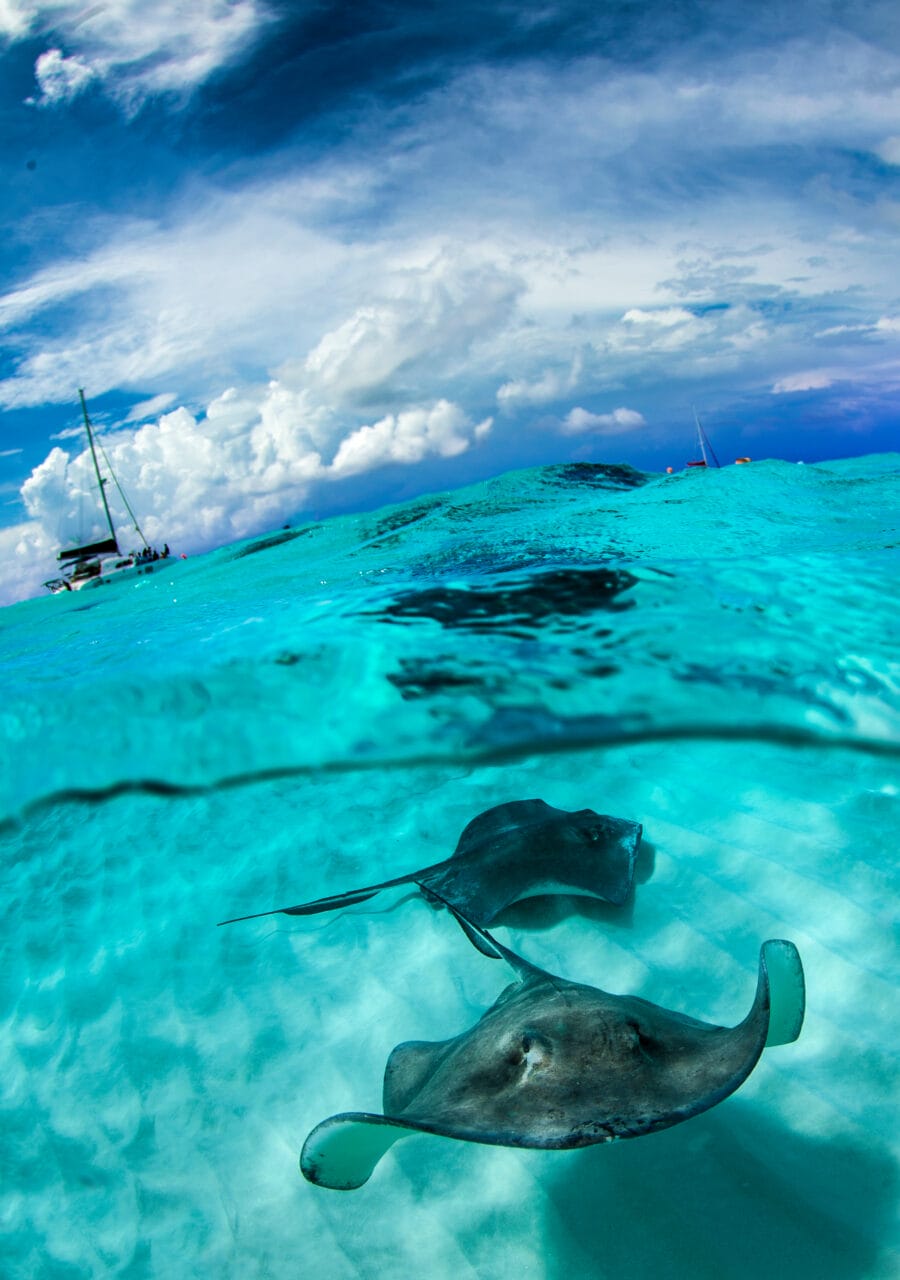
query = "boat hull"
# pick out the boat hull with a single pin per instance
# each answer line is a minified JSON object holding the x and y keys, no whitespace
{"x":98,"y":572}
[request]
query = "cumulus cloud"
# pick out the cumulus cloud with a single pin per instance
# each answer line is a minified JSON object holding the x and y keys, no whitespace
{"x":434,"y":315}
{"x":444,"y":430}
{"x":27,"y":558}
{"x":59,"y":78}
{"x":249,"y":462}
{"x":580,"y":422}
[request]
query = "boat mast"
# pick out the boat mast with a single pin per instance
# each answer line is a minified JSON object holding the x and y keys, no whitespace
{"x":100,"y":481}
{"x":704,"y":443}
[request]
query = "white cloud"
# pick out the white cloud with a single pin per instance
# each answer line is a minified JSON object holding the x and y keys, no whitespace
{"x":888,"y":150}
{"x":61,"y":79}
{"x":579,"y":422}
{"x":145,"y":309}
{"x":551,"y":385}
{"x":9,"y":453}
{"x":883,"y":325}
{"x":150,"y":408}
{"x":430,"y":322}
{"x":134,"y":48}
{"x":197,"y":482}
{"x":810,"y":380}
{"x":27,"y":559}
{"x":409,"y":436}
{"x":15,"y":18}
{"x":663,"y":318}
{"x":662,"y":330}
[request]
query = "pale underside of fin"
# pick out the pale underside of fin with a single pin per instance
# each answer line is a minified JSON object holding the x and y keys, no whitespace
{"x":787,"y":991}
{"x":342,"y":1151}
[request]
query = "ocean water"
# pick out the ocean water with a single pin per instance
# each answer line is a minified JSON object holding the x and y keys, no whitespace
{"x":714,"y":655}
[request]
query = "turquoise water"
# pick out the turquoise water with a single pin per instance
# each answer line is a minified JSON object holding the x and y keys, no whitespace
{"x":711,"y":654}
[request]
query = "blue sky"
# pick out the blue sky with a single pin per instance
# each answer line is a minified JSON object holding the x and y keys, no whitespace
{"x":306,"y":257}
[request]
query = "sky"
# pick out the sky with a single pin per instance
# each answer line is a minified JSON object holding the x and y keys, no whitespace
{"x":307,"y":258}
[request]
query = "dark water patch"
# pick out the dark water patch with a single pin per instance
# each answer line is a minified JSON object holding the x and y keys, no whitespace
{"x":764,"y":1200}
{"x":288,"y":659}
{"x":273,"y":540}
{"x":396,"y":520}
{"x":474,"y":558}
{"x":782,"y":682}
{"x":569,"y":593}
{"x":482,"y":509}
{"x":594,"y":475}
{"x":418,"y":678}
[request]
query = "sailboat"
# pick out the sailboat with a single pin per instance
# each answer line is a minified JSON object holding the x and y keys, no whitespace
{"x":706,"y":449}
{"x":96,"y":562}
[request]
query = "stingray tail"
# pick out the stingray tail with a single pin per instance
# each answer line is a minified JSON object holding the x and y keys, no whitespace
{"x":485,"y":942}
{"x":332,"y":903}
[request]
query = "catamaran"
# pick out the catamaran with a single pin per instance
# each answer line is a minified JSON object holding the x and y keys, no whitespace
{"x":93,"y":563}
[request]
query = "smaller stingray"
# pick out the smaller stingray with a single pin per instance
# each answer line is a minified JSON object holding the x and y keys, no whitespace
{"x":522,"y":849}
{"x":556,"y":1064}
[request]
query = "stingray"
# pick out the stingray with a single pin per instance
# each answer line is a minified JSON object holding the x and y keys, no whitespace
{"x":523,"y":849}
{"x":556,"y":1064}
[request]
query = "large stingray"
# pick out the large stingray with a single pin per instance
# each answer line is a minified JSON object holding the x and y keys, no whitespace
{"x":556,"y":1064}
{"x":518,"y":850}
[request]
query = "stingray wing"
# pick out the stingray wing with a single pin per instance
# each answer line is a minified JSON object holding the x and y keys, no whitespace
{"x":343,"y":1150}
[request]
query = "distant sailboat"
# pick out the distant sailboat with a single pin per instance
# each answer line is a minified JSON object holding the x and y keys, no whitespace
{"x":97,"y":561}
{"x":706,"y":449}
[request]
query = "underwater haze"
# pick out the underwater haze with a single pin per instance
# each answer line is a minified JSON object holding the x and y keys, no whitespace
{"x":712,"y":654}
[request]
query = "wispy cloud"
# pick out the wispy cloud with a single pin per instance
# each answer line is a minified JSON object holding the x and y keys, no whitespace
{"x":133,"y":49}
{"x":809,"y":380}
{"x":152,"y":407}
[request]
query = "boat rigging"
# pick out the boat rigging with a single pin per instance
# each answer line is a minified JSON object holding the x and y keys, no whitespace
{"x":706,"y":449}
{"x":97,"y":561}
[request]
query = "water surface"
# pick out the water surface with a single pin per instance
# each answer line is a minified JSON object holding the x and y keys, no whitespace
{"x":711,"y":654}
